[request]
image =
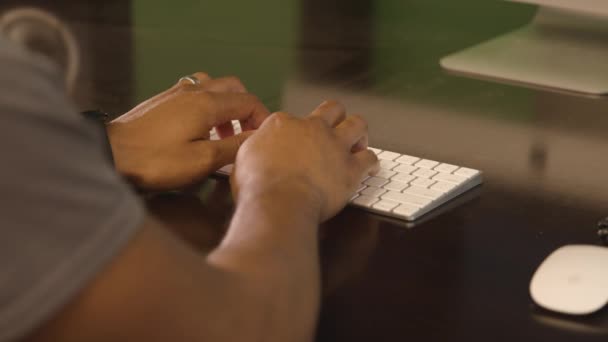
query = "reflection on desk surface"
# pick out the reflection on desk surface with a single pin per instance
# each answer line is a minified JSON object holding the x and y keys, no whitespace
{"x":595,"y":324}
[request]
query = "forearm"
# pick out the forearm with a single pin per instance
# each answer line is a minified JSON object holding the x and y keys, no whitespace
{"x":159,"y":289}
{"x":272,"y":248}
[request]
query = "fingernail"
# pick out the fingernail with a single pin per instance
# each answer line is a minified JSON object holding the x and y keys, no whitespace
{"x":329,"y":102}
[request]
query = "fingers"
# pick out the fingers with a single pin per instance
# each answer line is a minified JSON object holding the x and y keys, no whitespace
{"x":367,"y":163}
{"x":221,"y":85}
{"x":353,"y":132}
{"x":238,"y":106}
{"x":331,"y":112}
{"x":220,"y":153}
{"x":225,"y":130}
{"x":225,"y":85}
{"x":229,"y":105}
{"x":361,"y":145}
{"x":228,"y":85}
{"x":200,"y":76}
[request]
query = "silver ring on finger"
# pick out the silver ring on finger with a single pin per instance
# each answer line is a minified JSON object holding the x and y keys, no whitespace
{"x":192,"y":79}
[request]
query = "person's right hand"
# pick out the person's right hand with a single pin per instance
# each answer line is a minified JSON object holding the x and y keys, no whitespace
{"x":320,"y":159}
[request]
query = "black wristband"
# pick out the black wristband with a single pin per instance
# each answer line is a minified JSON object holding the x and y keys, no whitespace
{"x":101,"y":118}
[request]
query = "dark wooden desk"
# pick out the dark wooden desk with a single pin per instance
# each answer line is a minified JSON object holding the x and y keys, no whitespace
{"x":460,"y":276}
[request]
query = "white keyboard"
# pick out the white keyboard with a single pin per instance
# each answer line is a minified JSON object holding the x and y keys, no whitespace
{"x":406,"y":187}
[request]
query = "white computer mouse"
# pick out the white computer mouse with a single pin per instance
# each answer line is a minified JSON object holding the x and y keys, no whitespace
{"x":572,"y":280}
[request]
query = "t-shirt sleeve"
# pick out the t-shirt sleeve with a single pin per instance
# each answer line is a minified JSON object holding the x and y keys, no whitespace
{"x":64,"y":211}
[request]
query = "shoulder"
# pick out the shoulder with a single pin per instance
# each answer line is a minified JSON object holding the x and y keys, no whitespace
{"x":32,"y":88}
{"x":17,"y":55}
{"x":21,"y":70}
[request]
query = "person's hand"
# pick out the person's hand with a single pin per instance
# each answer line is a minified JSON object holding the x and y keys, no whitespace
{"x":164,"y":143}
{"x":320,"y":159}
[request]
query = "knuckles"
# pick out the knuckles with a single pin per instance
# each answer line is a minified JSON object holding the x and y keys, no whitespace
{"x":279,"y":117}
{"x":333,"y":103}
{"x":251,"y":98}
{"x":235,"y":82}
{"x":201,"y":75}
{"x":359,"y":121}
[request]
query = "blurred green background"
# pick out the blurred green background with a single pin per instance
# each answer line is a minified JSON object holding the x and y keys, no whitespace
{"x":254,"y":40}
{"x":412,"y":36}
{"x":258,"y":42}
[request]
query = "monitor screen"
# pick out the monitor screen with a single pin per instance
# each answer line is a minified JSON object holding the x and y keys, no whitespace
{"x":599,"y":7}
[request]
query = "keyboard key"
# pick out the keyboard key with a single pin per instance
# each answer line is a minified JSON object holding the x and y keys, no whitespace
{"x":377,"y":151}
{"x":227,"y":169}
{"x":425,"y":173}
{"x":387,"y":164}
{"x":424,"y":192}
{"x":406,"y":210}
{"x":426,"y":164}
{"x":443,"y":186}
{"x":354,"y":197}
{"x":237,"y":127}
{"x":375,"y":181}
{"x":395,"y":186}
{"x":407,"y":169}
{"x":386,"y":174}
{"x":403,"y":177}
{"x":385,"y":205}
{"x":365,"y":201}
{"x":213,"y":134}
{"x":407,"y":160}
{"x":446,"y":177}
{"x":361,"y":188}
{"x":446,"y":168}
{"x":423,"y":182}
{"x":373,"y":191}
{"x":466,"y":172}
{"x":386,"y":155}
{"x":407,"y":198}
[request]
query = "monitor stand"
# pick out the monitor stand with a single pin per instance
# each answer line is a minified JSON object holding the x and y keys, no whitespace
{"x":560,"y":50}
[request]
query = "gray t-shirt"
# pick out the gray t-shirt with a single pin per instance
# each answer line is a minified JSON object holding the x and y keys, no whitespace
{"x":64,"y":212}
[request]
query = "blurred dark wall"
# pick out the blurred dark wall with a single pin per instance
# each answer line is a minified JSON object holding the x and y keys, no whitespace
{"x":103,"y":30}
{"x":336,"y":41}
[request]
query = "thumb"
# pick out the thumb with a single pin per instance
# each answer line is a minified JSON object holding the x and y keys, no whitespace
{"x":225,"y":150}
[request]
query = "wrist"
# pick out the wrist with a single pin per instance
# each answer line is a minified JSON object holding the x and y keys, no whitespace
{"x":114,"y":144}
{"x":120,"y":152}
{"x":111,"y":134}
{"x":270,"y":222}
{"x":297,"y":199}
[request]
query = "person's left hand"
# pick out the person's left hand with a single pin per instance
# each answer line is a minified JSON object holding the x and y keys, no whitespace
{"x":163,"y":143}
